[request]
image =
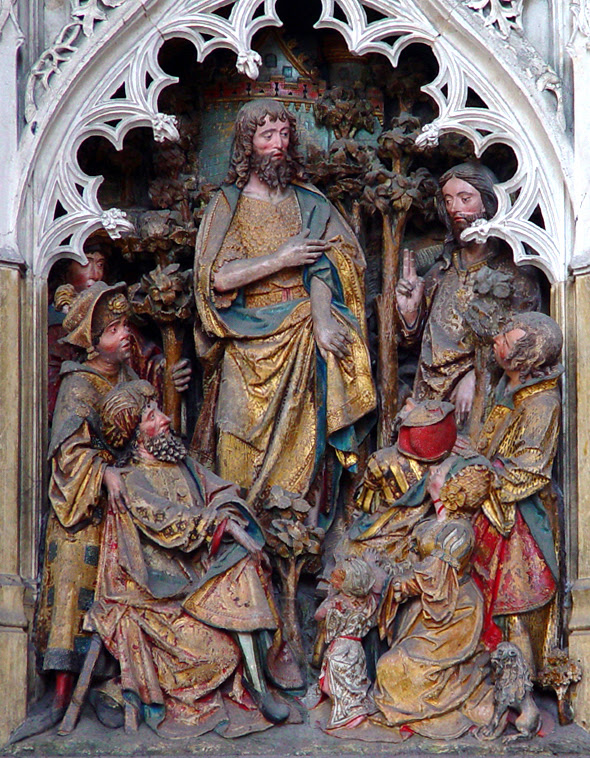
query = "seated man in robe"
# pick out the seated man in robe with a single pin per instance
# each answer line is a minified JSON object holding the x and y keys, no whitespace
{"x":434,"y":311}
{"x":182,"y":577}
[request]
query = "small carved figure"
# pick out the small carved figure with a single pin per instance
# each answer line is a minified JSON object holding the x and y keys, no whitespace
{"x":348,"y":613}
{"x":279,"y":283}
{"x":435,"y":307}
{"x":181,"y":571}
{"x":145,"y":358}
{"x":512,"y":689}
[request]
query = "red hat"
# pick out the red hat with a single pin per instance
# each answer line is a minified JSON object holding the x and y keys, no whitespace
{"x":429,"y":431}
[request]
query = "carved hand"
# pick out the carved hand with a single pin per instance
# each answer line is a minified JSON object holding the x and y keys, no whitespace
{"x":462,"y":396}
{"x":181,"y":374}
{"x":332,"y":337}
{"x":300,"y":250}
{"x":115,"y":489}
{"x":244,"y":539}
{"x":409,"y":289}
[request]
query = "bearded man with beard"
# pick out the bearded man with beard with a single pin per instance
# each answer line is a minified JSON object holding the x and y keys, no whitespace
{"x":435,"y":307}
{"x":183,"y":589}
{"x":279,"y":286}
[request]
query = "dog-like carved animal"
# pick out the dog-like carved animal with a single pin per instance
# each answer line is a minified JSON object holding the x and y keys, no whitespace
{"x":512,"y":689}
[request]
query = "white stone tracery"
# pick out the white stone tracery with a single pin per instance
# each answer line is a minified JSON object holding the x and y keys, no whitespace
{"x":104,"y":112}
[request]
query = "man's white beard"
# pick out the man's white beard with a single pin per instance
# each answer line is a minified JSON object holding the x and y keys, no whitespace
{"x":166,"y":446}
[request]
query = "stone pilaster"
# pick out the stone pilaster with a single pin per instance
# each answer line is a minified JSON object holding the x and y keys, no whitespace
{"x":13,"y":622}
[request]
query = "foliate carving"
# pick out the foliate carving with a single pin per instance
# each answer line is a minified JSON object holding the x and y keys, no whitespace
{"x":368,"y":26}
{"x":504,"y":15}
{"x":403,"y":22}
{"x":114,"y":221}
{"x":85,"y":15}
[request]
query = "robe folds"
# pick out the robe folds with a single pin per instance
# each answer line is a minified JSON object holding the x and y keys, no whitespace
{"x":165,"y":604}
{"x":78,"y":459}
{"x":515,"y":559}
{"x":433,"y":678}
{"x":272,"y":403}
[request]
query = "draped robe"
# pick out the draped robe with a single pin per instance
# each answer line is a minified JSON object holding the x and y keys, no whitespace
{"x":272,"y":403}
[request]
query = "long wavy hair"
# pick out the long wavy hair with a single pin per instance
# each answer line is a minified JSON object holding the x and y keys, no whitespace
{"x":477,"y":176}
{"x":249,"y":118}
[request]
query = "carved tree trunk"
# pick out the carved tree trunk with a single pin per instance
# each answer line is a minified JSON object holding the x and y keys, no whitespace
{"x":290,"y":570}
{"x":172,"y":338}
{"x":388,"y":365}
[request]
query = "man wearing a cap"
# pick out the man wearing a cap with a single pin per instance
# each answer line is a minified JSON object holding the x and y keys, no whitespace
{"x":427,"y":434}
{"x":81,"y":480}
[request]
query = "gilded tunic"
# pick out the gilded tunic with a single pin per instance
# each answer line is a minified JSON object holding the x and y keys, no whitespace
{"x":515,"y":560}
{"x":433,"y":679}
{"x":165,"y":604}
{"x":273,"y":401}
{"x":78,"y":460}
{"x":448,"y":348}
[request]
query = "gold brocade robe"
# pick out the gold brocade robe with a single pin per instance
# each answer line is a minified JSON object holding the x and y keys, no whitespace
{"x":517,"y":531}
{"x":448,"y":349}
{"x":272,"y":404}
{"x":158,"y":611}
{"x":78,"y":460}
{"x":433,"y":679}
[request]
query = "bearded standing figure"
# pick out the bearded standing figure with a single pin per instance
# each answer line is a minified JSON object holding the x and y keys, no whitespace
{"x":279,"y":284}
{"x":434,"y":308}
{"x":182,"y":586}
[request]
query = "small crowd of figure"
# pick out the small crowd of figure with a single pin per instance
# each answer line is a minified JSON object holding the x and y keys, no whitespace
{"x":161,"y":553}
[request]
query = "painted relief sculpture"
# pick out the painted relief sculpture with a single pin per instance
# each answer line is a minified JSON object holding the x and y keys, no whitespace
{"x":348,"y":613}
{"x":81,"y":481}
{"x":517,"y":531}
{"x":433,"y":679}
{"x":434,"y":308}
{"x":183,"y":589}
{"x":279,"y":286}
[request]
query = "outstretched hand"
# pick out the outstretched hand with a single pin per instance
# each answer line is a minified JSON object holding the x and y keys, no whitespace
{"x":409,"y":289}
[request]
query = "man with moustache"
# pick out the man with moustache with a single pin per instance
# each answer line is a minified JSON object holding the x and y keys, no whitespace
{"x":182,"y":579}
{"x":81,"y":481}
{"x":435,"y":307}
{"x":279,"y":285}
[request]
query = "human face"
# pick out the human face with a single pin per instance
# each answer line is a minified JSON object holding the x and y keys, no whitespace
{"x":503,"y":346}
{"x":463,"y":203}
{"x":153,"y":421}
{"x":437,"y":477}
{"x":272,"y":138}
{"x":114,"y":344}
{"x":81,"y":277}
